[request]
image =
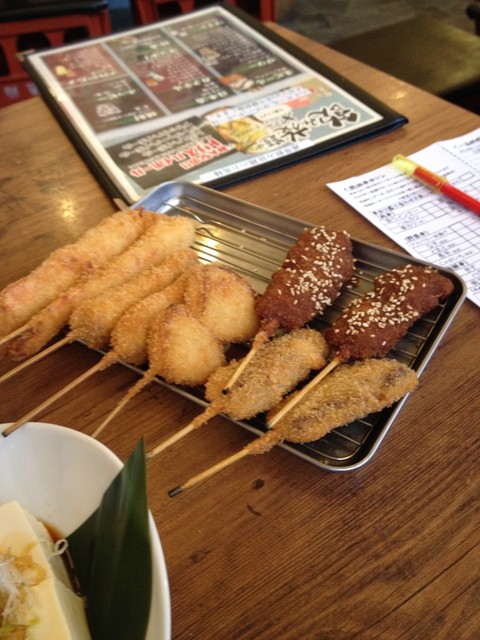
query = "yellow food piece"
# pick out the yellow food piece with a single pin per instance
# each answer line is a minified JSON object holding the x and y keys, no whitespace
{"x":36,"y":598}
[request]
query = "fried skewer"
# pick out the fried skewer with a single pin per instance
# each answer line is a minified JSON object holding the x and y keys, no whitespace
{"x":351,"y":392}
{"x":93,"y":320}
{"x":98,"y":335}
{"x":21,"y":299}
{"x":277,"y":368}
{"x":181,"y":350}
{"x":164,"y":236}
{"x":129,"y":335}
{"x":222,"y":300}
{"x":310,"y":278}
{"x":218,"y":308}
{"x":371,"y":325}
{"x":48,"y":318}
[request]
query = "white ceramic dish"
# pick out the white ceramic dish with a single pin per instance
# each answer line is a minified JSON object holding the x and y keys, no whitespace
{"x":60,"y":475}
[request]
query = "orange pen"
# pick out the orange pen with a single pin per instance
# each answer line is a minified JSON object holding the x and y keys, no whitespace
{"x":435,"y":182}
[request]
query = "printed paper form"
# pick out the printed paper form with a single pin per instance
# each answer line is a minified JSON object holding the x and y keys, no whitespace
{"x":426,"y":224}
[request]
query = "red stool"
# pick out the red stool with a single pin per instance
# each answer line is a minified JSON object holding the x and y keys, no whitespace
{"x":149,"y":11}
{"x":35,"y":26}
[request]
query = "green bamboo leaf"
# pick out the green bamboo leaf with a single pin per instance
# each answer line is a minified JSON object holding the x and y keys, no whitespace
{"x":111,"y":554}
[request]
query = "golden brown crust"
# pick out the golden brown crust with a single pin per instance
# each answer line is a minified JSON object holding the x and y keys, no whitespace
{"x":21,"y":299}
{"x":224,"y":301}
{"x":94,"y":319}
{"x":162,"y":236}
{"x":274,"y":371}
{"x":182,"y":350}
{"x":129,"y":335}
{"x":351,"y":392}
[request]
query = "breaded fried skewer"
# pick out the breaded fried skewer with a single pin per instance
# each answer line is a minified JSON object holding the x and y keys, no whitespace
{"x":165,"y":235}
{"x":181,"y":350}
{"x":371,"y":326}
{"x":165,"y":274}
{"x":21,"y":299}
{"x":309,"y":280}
{"x":352,"y":392}
{"x":129,"y":335}
{"x":218,"y":308}
{"x":136,"y":287}
{"x":93,"y":320}
{"x":277,"y":368}
{"x":222,"y":300}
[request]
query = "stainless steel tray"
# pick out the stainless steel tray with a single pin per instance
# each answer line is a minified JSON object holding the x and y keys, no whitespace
{"x":253,"y":241}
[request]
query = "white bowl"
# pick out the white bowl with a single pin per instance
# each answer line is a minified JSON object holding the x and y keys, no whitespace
{"x":60,"y":476}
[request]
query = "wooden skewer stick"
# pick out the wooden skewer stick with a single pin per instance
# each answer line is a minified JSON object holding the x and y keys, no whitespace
{"x":260,"y":445}
{"x":303,"y":392}
{"x":209,"y":472}
{"x":264,"y":443}
{"x":104,"y":362}
{"x":209,"y":412}
{"x":147,"y":378}
{"x":13,"y":334}
{"x":260,"y":339}
{"x":35,"y":358}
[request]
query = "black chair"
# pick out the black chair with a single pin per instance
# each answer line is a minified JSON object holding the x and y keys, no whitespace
{"x":473,"y":12}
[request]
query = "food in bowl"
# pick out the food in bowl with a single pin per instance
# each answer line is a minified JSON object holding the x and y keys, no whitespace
{"x":36,"y":594}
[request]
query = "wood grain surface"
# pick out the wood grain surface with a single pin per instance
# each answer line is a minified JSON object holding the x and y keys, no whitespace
{"x":275,"y":548}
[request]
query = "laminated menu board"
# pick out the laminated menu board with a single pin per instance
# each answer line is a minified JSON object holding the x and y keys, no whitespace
{"x":211,"y":97}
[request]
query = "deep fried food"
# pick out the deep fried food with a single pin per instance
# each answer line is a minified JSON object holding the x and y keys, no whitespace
{"x":21,"y":299}
{"x":129,"y":335}
{"x":276,"y":369}
{"x":351,"y":392}
{"x":122,"y":348}
{"x":93,"y":320}
{"x":164,"y":236}
{"x":222,"y":300}
{"x":182,"y":350}
{"x":371,"y":325}
{"x":309,"y":280}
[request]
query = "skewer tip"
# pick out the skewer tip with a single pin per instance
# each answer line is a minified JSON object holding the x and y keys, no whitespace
{"x":13,"y":427}
{"x":175,"y":491}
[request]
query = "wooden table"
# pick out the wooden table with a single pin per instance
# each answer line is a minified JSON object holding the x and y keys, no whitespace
{"x":275,"y":547}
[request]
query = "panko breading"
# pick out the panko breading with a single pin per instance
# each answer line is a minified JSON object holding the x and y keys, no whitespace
{"x":222,"y":300}
{"x":182,"y":350}
{"x":21,"y":299}
{"x":129,"y":335}
{"x":93,"y":320}
{"x":351,"y":392}
{"x":163,"y":237}
{"x":276,"y":369}
{"x":310,"y":279}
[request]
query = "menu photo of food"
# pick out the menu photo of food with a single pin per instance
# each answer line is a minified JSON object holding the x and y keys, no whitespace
{"x":240,"y":61}
{"x":170,"y":153}
{"x":171,"y":73}
{"x":204,"y":96}
{"x":106,"y":96}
